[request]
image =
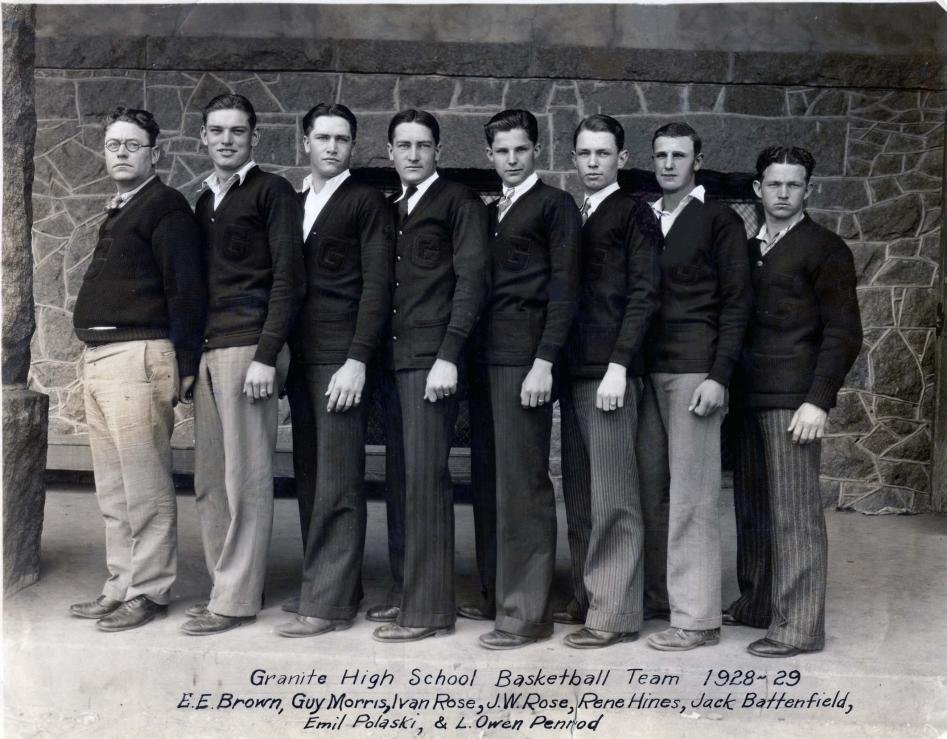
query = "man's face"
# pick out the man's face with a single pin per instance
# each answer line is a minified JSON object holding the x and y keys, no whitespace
{"x":329,"y":145}
{"x":414,"y":152}
{"x":229,"y":138}
{"x":129,"y":169}
{"x":513,"y":156}
{"x":675,"y":164}
{"x":597,"y":159}
{"x":783,"y":190}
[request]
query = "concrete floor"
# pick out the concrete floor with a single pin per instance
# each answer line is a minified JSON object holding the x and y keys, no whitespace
{"x":886,"y":649}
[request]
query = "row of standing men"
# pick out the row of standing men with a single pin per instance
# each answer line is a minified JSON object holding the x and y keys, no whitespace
{"x":636,"y":316}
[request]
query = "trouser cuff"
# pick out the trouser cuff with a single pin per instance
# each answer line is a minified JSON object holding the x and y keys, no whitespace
{"x":427,"y":620}
{"x":523,"y":628}
{"x":605,"y":621}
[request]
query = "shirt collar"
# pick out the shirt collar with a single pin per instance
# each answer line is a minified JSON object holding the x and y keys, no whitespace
{"x":698,"y":193}
{"x":123,"y":197}
{"x":214,"y":184}
{"x":598,"y":196}
{"x":331,"y":184}
{"x":523,"y":187}
{"x":421,"y":186}
{"x":763,"y":234}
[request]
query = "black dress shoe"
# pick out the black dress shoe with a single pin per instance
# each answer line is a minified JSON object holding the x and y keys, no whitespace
{"x":213,"y":623}
{"x":383,"y":614}
{"x":396,"y":633}
{"x":198,"y":609}
{"x":131,"y":614}
{"x":291,"y":605}
{"x":312,"y":626}
{"x":497,"y":639}
{"x":728,"y":619}
{"x":477,"y":612}
{"x":768,"y":648}
{"x":565,"y":616}
{"x":101,"y":606}
{"x":596,"y":638}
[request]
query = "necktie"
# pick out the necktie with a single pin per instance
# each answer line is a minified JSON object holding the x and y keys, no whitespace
{"x":504,"y":203}
{"x":586,"y":207}
{"x":403,"y":203}
{"x":114,"y":203}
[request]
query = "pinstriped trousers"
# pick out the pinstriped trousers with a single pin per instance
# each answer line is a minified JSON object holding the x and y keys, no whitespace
{"x":603,"y":507}
{"x":526,"y":507}
{"x":782,"y":547}
{"x":419,"y":435}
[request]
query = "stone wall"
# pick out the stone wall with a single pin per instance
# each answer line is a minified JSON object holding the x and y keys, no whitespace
{"x":877,"y":184}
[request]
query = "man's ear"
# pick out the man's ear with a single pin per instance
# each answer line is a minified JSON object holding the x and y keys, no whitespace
{"x":306,"y":144}
{"x":155,"y":154}
{"x":437,"y":153}
{"x":490,"y":153}
{"x":805,"y":197}
{"x":622,"y":158}
{"x":758,"y":188}
{"x":255,"y":137}
{"x":391,"y":152}
{"x":698,"y":161}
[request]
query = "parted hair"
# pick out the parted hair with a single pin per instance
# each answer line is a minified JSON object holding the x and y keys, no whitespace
{"x":678,"y":130}
{"x":601,"y":123}
{"x":141,"y":118}
{"x":784,"y":155}
{"x":326,"y":109}
{"x":413,"y":115}
{"x":510,"y":120}
{"x":230,"y":101}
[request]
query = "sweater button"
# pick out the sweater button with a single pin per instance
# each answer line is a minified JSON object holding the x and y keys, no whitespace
{"x":394,"y":338}
{"x":394,"y":311}
{"x":398,"y":258}
{"x":759,"y":263}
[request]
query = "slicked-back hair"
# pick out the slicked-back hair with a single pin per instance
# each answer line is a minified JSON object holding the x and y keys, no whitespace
{"x":784,"y":155}
{"x":230,"y":101}
{"x":678,"y":130}
{"x":141,"y":118}
{"x":601,"y":123}
{"x":510,"y":120}
{"x":413,"y":115}
{"x":326,"y":109}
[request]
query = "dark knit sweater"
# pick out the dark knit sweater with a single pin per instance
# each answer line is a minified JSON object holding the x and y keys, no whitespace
{"x":146,"y":276}
{"x":348,"y":255}
{"x":805,"y":330}
{"x":705,"y":294}
{"x":621,"y":273}
{"x":256,"y":278}
{"x":534,"y":266}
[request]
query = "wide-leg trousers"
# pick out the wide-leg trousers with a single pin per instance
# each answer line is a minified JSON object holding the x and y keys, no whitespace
{"x":483,"y":477}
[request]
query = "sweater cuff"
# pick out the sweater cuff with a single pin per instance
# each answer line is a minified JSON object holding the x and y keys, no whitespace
{"x":451,"y":347}
{"x":722,"y":370}
{"x":822,"y":393}
{"x":187,"y":363}
{"x":267,"y":349}
{"x":360,"y":352}
{"x":549,"y":352}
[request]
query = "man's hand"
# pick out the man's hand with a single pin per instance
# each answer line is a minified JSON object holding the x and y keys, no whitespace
{"x":260,"y":381}
{"x":707,"y":398}
{"x":185,"y":390}
{"x":808,"y":423}
{"x":345,"y":386}
{"x":611,"y":390}
{"x":441,"y":381}
{"x":536,"y":389}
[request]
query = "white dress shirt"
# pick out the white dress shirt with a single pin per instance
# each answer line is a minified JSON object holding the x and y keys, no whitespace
{"x":221,"y":189}
{"x":121,"y":198}
{"x":767,"y":242}
{"x":515,"y":193}
{"x":316,"y":201}
{"x":422,"y":188}
{"x":667,"y":217}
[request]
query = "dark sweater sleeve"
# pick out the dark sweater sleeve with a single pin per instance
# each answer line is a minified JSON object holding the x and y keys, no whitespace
{"x":565,"y":233}
{"x":178,"y":250}
{"x":834,"y":283}
{"x":468,"y":222}
{"x":377,"y":239}
{"x":642,"y":285}
{"x":736,"y":294}
{"x":283,"y":216}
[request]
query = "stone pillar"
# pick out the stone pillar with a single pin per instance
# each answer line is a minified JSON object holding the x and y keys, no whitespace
{"x":24,"y":411}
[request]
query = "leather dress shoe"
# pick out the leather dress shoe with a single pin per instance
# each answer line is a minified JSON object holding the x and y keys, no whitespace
{"x":565,"y":616}
{"x":311,"y":626}
{"x":477,"y":612}
{"x":131,"y":614}
{"x":396,"y":633}
{"x":384,"y":614}
{"x":680,"y":640}
{"x":291,"y":605}
{"x":728,"y":619}
{"x":101,"y":606}
{"x":596,"y":638}
{"x":198,"y":609}
{"x":497,"y":639}
{"x":213,"y":623}
{"x":768,"y":648}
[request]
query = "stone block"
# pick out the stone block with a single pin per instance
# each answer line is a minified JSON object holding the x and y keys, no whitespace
{"x":170,"y":78}
{"x":564,"y":95}
{"x":880,"y":500}
{"x":299,"y":91}
{"x":875,"y":306}
{"x":902,"y":100}
{"x":84,"y":208}
{"x":838,"y":194}
{"x":932,"y":163}
{"x":868,"y":260}
{"x":911,"y":475}
{"x":887,"y":164}
{"x":610,"y":63}
{"x":897,"y":271}
{"x":855,"y":167}
{"x":174,"y":51}
{"x":916,"y":447}
{"x":892,"y":219}
{"x":662,"y":98}
{"x":702,"y":98}
{"x":610,"y":98}
{"x":481,"y":93}
{"x":895,"y":370}
{"x":427,"y":93}
{"x":755,"y":100}
{"x":58,"y":341}
{"x":91,"y":52}
{"x":55,"y":98}
{"x":98,"y":97}
{"x":830,"y":103}
{"x":455,"y":59}
{"x":57,"y":224}
{"x":917,"y":182}
{"x":49,"y":282}
{"x":78,"y":164}
{"x":883,"y":188}
{"x":167,"y":107}
{"x":532,"y":95}
{"x":44,"y":245}
{"x":369,"y":92}
{"x":847,"y":227}
{"x":849,"y":414}
{"x":564,"y":121}
{"x":931,"y":219}
{"x":258,"y":94}
{"x":843,"y":459}
{"x":878,"y":440}
{"x":278,"y":145}
{"x":895,"y":414}
{"x":857,"y":376}
{"x":372,"y":150}
{"x":463,"y":144}
{"x":918,"y":308}
{"x":829,"y":490}
{"x":209,"y":87}
{"x":798,"y":101}
{"x":54,"y":374}
{"x":903,"y":248}
{"x":899,"y":142}
{"x":24,"y":486}
{"x":930,"y":246}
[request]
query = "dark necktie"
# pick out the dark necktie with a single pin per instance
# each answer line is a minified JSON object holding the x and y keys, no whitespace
{"x":403,"y":203}
{"x":586,"y":207}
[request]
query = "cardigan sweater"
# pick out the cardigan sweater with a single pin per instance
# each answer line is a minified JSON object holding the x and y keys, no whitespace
{"x":256,"y":278}
{"x":620,"y":276}
{"x":146,"y":276}
{"x":348,"y":255}
{"x":534,"y":270}
{"x":440,"y":276}
{"x":705,"y":294}
{"x":805,"y":330}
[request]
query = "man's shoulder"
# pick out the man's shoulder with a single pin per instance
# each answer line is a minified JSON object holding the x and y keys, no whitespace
{"x":554,"y":195}
{"x":719,"y":210}
{"x":454,"y":190}
{"x":361,"y":192}
{"x":269,"y":180}
{"x":817,"y":232}
{"x":167,"y":195}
